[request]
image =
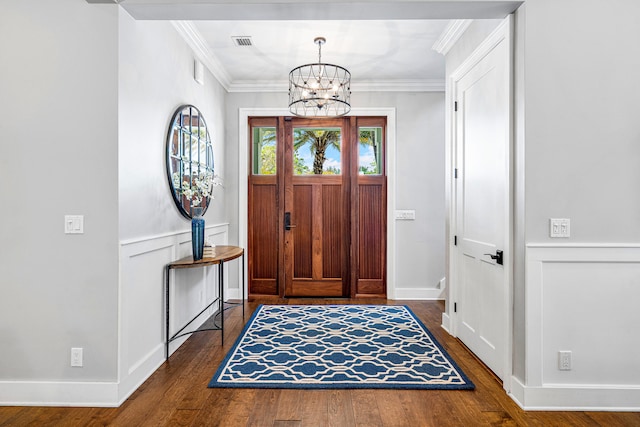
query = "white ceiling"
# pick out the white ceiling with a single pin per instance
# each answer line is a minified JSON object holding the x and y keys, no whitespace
{"x":375,"y":52}
{"x":385,"y":44}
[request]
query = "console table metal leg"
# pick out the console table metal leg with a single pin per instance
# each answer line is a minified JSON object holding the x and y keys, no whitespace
{"x":242,"y":302}
{"x":166,"y":298}
{"x":221,"y":294}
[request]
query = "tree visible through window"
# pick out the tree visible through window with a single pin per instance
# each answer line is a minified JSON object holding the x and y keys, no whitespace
{"x":317,"y":151}
{"x":264,"y":151}
{"x":369,"y":151}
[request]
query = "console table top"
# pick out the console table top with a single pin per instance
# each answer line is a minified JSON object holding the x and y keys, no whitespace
{"x":224,"y":253}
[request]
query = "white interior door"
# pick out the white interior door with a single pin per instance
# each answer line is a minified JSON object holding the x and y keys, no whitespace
{"x":482,"y":141}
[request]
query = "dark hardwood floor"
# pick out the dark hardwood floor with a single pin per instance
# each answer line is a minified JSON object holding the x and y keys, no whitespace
{"x":177,"y":394}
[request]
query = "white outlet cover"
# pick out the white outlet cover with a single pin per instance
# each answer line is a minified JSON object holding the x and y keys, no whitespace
{"x":76,"y":357}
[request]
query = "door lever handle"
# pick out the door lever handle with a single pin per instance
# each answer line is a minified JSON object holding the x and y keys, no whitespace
{"x":287,"y":221}
{"x":498,"y":257}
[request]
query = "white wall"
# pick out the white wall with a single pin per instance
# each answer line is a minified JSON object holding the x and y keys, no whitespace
{"x":155,"y":78}
{"x":58,"y":92}
{"x":583,"y":133}
{"x":582,"y":142}
{"x":87,"y":96}
{"x":420,"y":179}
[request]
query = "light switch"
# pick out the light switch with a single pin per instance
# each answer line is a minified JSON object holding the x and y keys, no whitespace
{"x":406,"y":214}
{"x":559,"y":227}
{"x":74,"y":224}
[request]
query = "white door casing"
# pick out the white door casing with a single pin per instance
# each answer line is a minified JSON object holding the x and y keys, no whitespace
{"x":482,"y":199}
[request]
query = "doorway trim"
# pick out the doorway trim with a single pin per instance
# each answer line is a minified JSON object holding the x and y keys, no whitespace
{"x":243,"y":176}
{"x":504,"y":31}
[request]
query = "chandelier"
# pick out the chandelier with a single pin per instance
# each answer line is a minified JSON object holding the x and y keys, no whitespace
{"x":319,"y":90}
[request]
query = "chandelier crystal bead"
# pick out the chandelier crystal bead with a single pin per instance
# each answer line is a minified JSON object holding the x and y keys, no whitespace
{"x":319,"y":90}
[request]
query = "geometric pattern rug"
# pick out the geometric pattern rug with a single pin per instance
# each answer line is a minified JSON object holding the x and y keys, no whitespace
{"x":338,"y":346}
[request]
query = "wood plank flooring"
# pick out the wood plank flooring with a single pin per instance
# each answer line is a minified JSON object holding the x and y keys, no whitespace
{"x":177,"y":394}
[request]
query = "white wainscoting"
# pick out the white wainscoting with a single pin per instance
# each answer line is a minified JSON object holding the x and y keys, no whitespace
{"x":582,"y":298}
{"x":142,"y":300}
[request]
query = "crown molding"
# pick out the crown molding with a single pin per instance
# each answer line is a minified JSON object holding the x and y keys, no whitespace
{"x":369,"y":86}
{"x":195,"y":40}
{"x":450,"y":35}
{"x":418,"y":85}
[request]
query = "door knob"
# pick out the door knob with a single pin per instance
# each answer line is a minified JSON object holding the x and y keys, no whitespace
{"x":287,"y":221}
{"x":498,"y":257}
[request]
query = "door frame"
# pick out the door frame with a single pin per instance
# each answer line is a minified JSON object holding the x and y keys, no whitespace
{"x":243,"y":180}
{"x":504,"y":32}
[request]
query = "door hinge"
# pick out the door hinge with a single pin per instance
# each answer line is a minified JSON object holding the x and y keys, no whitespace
{"x":455,"y":307}
{"x":455,"y":173}
{"x":455,"y":240}
{"x":455,"y":106}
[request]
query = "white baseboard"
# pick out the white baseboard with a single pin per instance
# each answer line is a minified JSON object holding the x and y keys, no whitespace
{"x":45,"y":393}
{"x":575,"y":398}
{"x":233,"y":294}
{"x":139,"y":373}
{"x":446,"y":323}
{"x":418,"y":294}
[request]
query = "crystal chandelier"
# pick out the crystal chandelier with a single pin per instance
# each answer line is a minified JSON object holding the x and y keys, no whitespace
{"x":319,"y":90}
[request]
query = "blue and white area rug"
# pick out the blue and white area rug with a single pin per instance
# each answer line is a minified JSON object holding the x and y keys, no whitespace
{"x":338,"y":346}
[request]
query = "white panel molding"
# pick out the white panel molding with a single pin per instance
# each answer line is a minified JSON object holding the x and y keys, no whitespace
{"x":133,"y":255}
{"x":550,"y":266}
{"x":450,"y":35}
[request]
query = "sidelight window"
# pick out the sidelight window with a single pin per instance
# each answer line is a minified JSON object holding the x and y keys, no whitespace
{"x":264,"y":151}
{"x":370,"y":151}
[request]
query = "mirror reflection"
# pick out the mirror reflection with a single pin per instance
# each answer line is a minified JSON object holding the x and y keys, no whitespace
{"x":190,"y":161}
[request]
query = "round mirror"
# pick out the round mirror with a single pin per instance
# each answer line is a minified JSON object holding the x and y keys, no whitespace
{"x":190,"y":161}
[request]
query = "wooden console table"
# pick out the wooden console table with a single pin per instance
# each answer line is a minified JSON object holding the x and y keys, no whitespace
{"x":223,"y":254}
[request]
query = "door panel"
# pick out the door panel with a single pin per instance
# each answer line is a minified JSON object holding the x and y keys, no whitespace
{"x":301,"y":219}
{"x":371,"y":226}
{"x":333,"y":231}
{"x":263,"y":269}
{"x":483,"y":130}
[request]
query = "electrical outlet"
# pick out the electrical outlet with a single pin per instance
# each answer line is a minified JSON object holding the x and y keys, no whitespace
{"x":76,"y":357}
{"x":564,"y":360}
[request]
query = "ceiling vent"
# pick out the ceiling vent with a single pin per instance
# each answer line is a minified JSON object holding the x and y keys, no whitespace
{"x":242,"y":41}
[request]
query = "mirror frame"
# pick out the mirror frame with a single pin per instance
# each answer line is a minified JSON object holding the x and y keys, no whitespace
{"x":175,"y":154}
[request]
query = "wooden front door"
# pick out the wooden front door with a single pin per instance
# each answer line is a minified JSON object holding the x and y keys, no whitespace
{"x":317,"y":207}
